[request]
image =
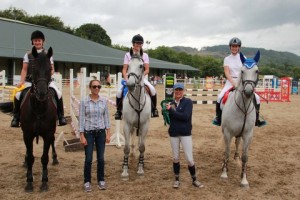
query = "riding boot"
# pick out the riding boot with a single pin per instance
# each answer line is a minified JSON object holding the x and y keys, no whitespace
{"x":154,"y":112}
{"x":218,"y":119}
{"x":259,"y":123}
{"x":118,"y":115}
{"x":16,"y":113}
{"x":60,"y":112}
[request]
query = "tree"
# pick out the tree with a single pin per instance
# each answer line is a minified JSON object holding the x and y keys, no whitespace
{"x":93,"y":32}
{"x":14,"y":13}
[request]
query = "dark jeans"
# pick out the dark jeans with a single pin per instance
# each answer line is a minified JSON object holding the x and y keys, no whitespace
{"x":96,"y":137}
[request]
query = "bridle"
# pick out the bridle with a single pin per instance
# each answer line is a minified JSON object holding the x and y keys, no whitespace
{"x":245,"y":109}
{"x":137,"y":97}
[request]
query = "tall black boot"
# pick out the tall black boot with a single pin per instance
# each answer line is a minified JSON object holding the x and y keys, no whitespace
{"x":16,"y":113}
{"x":218,"y":119}
{"x":154,"y":111}
{"x":118,"y":115}
{"x":259,"y":123}
{"x":60,"y":112}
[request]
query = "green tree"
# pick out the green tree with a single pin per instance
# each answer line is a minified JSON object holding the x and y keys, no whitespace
{"x":93,"y":32}
{"x":14,"y":13}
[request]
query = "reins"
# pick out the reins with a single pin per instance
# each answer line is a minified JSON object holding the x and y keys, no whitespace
{"x":246,"y":107}
{"x":138,"y":98}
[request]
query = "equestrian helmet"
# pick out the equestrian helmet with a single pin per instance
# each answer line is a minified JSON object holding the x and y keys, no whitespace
{"x":37,"y":35}
{"x":138,"y":38}
{"x":235,"y":41}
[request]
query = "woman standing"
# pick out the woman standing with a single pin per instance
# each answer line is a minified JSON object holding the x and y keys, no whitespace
{"x":180,"y":131}
{"x":94,"y":127}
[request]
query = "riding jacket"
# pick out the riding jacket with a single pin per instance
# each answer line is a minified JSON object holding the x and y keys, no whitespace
{"x":181,"y":118}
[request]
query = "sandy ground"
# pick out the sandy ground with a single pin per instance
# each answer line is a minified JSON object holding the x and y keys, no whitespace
{"x":273,"y":167}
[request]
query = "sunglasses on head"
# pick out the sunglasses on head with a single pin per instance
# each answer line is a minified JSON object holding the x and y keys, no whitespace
{"x":96,"y":86}
{"x":138,"y":43}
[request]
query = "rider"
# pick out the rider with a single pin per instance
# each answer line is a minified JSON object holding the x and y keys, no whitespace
{"x":232,"y":68}
{"x":137,"y":43}
{"x":37,"y":39}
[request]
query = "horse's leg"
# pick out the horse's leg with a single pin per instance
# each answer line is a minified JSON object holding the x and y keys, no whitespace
{"x":30,"y":161}
{"x":25,"y":161}
{"x":246,"y":143}
{"x":45,"y":160}
{"x":227,"y":140}
{"x":237,"y":143}
{"x":142,"y":137}
{"x":125,"y":174}
{"x":54,"y":154}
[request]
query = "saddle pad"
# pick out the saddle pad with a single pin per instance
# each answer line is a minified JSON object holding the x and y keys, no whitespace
{"x":225,"y":97}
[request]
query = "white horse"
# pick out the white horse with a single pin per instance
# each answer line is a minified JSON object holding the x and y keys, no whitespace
{"x":136,"y":112}
{"x":239,"y":114}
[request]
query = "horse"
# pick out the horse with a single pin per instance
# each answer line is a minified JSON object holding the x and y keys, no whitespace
{"x":136,"y":112}
{"x":239,"y":115}
{"x":38,"y":115}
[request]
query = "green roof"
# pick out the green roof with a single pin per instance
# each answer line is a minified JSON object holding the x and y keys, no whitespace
{"x":15,"y":41}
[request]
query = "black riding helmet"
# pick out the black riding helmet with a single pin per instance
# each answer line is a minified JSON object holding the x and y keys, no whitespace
{"x":138,"y":38}
{"x":235,"y":41}
{"x":37,"y":35}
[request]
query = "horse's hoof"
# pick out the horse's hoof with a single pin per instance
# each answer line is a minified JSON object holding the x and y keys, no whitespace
{"x":55,"y":162}
{"x":29,"y":187}
{"x":245,"y":186}
{"x":125,"y":178}
{"x":44,"y":187}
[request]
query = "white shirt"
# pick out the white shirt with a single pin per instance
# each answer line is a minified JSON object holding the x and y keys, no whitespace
{"x":234,"y":63}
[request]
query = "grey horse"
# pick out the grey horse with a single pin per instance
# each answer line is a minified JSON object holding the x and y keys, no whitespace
{"x":238,"y":116}
{"x":136,"y":112}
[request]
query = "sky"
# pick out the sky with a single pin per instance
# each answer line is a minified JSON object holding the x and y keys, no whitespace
{"x":269,"y":24}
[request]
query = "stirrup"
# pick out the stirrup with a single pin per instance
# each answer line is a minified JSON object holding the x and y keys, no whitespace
{"x":15,"y":123}
{"x":216,"y":122}
{"x":261,"y":123}
{"x":118,"y":115}
{"x":62,"y":121}
{"x":154,"y":113}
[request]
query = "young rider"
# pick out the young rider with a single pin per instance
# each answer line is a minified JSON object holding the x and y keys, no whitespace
{"x":232,"y":68}
{"x":37,"y":39}
{"x":137,"y":43}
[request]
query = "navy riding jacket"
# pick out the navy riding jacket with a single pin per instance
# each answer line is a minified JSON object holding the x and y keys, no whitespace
{"x":181,"y":118}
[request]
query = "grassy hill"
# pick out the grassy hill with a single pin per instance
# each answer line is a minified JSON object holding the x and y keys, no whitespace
{"x":268,"y":57}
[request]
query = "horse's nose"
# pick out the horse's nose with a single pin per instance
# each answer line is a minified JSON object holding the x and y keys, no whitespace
{"x":248,"y":90}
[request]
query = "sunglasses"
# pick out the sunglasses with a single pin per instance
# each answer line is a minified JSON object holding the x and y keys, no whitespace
{"x":140,"y":43}
{"x":96,"y":86}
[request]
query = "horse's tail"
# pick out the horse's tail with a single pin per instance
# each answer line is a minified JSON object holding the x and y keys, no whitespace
{"x":6,"y":107}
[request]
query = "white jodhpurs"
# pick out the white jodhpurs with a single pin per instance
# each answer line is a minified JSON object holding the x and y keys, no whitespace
{"x":187,"y":145}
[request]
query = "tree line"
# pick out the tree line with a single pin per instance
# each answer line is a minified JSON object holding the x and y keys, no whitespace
{"x":207,"y":65}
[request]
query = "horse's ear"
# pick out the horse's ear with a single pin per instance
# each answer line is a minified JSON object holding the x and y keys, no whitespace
{"x":242,"y":57}
{"x":141,"y":52}
{"x":257,"y":56}
{"x":50,"y":52}
{"x":34,"y":52}
{"x":131,"y":51}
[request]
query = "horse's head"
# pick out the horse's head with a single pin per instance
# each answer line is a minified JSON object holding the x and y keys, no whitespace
{"x":41,"y":73}
{"x":135,"y":71}
{"x":249,"y":74}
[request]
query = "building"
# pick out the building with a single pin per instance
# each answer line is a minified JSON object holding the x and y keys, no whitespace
{"x":69,"y":52}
